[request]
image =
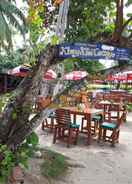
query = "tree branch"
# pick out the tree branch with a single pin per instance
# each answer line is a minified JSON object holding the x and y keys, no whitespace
{"x":126,"y":23}
{"x":130,"y":36}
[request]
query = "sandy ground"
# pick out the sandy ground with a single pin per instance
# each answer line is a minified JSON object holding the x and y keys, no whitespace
{"x":97,"y":163}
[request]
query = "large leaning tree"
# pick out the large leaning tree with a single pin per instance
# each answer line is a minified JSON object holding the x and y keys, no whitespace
{"x":15,"y":121}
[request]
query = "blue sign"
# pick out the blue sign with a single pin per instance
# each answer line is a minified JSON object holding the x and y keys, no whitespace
{"x":93,"y":51}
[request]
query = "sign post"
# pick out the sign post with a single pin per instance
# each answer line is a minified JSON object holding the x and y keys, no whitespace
{"x":93,"y":52}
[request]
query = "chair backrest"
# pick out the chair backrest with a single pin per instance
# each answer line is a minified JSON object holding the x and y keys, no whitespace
{"x":118,"y":118}
{"x":99,"y":96}
{"x":111,"y":111}
{"x":114,"y":111}
{"x":114,"y":107}
{"x":107,"y":96}
{"x":63,"y":117}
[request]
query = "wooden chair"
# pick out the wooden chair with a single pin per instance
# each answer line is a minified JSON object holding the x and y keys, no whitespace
{"x":114,"y":110}
{"x":94,"y":124}
{"x":50,"y":122}
{"x":97,"y":105}
{"x":99,"y":96}
{"x":65,"y":130}
{"x":113,"y":126}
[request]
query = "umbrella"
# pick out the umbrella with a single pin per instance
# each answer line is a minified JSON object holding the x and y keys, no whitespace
{"x":116,"y":77}
{"x":75,"y":75}
{"x":50,"y":74}
{"x":129,"y":76}
{"x":20,"y":71}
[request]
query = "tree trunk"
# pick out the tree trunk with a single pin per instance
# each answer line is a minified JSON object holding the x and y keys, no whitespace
{"x":18,"y":110}
{"x":119,"y":21}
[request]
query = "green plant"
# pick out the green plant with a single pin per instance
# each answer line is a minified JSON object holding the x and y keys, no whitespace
{"x":54,"y":164}
{"x":6,"y":162}
{"x":8,"y":159}
{"x":10,"y":17}
{"x":27,"y":149}
{"x":129,"y":107}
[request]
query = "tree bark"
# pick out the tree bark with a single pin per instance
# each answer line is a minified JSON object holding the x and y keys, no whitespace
{"x":18,"y":109}
{"x":119,"y":21}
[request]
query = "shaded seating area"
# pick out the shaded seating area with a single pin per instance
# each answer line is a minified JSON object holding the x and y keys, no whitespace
{"x":120,"y":98}
{"x":93,"y":122}
{"x":114,"y":96}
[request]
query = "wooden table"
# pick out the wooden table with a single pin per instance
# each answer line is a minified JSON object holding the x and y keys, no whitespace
{"x":88,"y":115}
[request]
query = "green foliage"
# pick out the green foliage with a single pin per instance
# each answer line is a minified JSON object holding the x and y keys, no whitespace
{"x":129,"y":2}
{"x":54,"y":165}
{"x":91,"y":66}
{"x":35,"y":22}
{"x":10,"y":17}
{"x":14,"y":116}
{"x":7,"y":162}
{"x":54,"y":40}
{"x":32,"y":139}
{"x":90,"y":17}
{"x":27,"y":149}
{"x":37,"y":32}
{"x":69,"y":64}
{"x":129,"y":107}
{"x":21,"y":156}
{"x":10,"y":60}
{"x":108,"y":30}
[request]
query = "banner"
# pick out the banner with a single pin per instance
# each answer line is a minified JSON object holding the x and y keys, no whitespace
{"x":93,"y":51}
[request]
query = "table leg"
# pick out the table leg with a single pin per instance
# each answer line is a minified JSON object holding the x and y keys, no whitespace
{"x":89,"y":129}
{"x":74,"y":118}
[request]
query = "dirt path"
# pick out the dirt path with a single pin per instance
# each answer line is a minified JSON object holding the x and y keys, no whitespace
{"x":96,"y":163}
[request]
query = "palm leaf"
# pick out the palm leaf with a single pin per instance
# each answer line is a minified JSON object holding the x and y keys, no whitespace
{"x":5,"y":33}
{"x":10,"y":15}
{"x":9,"y":7}
{"x":14,"y":22}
